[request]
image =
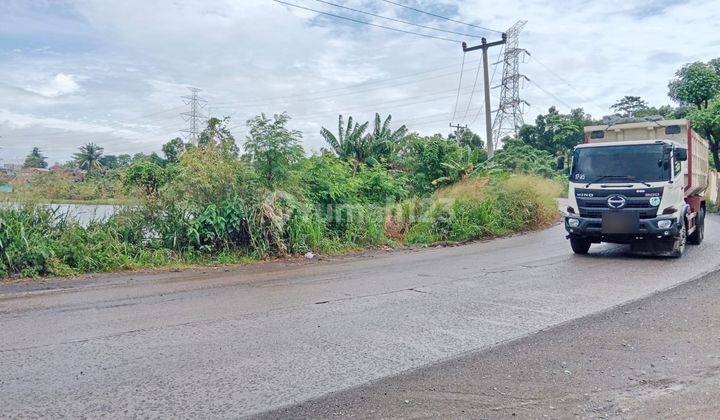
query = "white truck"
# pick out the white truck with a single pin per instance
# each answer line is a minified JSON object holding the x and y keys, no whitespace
{"x":638,"y":183}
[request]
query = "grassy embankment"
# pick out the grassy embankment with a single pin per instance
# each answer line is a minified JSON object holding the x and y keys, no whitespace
{"x":37,"y":242}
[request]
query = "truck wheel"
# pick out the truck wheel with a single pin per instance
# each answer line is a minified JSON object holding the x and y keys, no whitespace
{"x":580,"y":245}
{"x":680,"y":241}
{"x":697,"y":237}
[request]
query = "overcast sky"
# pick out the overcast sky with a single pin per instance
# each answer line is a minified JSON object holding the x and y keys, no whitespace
{"x":113,"y":72}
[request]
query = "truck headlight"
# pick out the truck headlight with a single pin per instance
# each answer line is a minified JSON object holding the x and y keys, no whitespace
{"x":573,"y":223}
{"x":664,"y":224}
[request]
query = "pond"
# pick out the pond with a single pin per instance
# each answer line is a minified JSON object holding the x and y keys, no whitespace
{"x":83,"y":213}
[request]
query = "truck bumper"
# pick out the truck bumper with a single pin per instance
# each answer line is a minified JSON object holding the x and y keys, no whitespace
{"x":648,"y":229}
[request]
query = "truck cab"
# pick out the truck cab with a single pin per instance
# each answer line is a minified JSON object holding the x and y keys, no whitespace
{"x":638,"y":183}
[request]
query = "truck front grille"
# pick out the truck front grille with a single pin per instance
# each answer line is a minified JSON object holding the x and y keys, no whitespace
{"x":592,"y":203}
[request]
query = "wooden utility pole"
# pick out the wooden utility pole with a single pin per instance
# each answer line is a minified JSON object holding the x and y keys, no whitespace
{"x":484,"y":46}
{"x":459,"y":129}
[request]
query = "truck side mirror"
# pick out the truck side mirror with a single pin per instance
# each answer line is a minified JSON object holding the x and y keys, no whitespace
{"x":681,"y":155}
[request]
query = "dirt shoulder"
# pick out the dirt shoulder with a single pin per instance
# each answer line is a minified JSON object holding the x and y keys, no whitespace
{"x":657,"y":357}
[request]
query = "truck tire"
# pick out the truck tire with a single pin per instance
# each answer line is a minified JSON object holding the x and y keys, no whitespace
{"x":580,"y":245}
{"x":697,"y":237}
{"x":680,"y":242}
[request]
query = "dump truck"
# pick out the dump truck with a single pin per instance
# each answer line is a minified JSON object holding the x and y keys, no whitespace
{"x":639,"y":183}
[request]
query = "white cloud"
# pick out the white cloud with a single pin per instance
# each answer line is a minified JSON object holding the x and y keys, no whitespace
{"x":60,"y":84}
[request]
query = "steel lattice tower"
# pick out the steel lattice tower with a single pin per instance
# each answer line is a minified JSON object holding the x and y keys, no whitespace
{"x":509,"y":115}
{"x":194,"y":115}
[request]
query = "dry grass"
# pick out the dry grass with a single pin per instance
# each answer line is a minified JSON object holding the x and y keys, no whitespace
{"x":469,"y":188}
{"x":542,"y":191}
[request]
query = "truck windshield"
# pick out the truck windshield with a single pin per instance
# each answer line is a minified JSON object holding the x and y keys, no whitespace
{"x":639,"y":163}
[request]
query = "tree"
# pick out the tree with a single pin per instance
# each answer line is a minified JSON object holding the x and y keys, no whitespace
{"x":272,"y":147}
{"x":555,"y":133}
{"x":35,"y":159}
{"x":519,"y":157}
{"x":715,"y":64}
{"x":146,"y":175}
{"x":468,"y":138}
{"x":383,"y":139}
{"x":124,"y":160}
{"x":665,"y":111}
{"x":217,"y":133}
{"x":353,"y":143}
{"x":706,"y":121}
{"x":628,"y":106}
{"x":89,"y":158}
{"x":348,"y":143}
{"x":173,"y":149}
{"x":114,"y":162}
{"x":152,"y":157}
{"x":696,"y":83}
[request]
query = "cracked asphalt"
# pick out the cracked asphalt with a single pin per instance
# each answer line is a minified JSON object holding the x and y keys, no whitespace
{"x":242,"y":341}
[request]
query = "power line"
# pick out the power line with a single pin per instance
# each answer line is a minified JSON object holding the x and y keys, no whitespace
{"x":457,"y":98}
{"x":441,"y":17}
{"x":398,"y":20}
{"x":69,"y":132}
{"x":549,"y":94}
{"x":370,"y":107}
{"x":308,"y":95}
{"x":557,"y":76}
{"x":366,"y":23}
{"x":492,"y":78}
{"x":472,"y":92}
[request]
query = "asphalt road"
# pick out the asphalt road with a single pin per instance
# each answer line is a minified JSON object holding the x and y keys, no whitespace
{"x":241,"y":342}
{"x":658,"y":357}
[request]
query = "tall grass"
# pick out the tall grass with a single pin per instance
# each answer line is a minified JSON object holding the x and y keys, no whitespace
{"x":479,"y":207}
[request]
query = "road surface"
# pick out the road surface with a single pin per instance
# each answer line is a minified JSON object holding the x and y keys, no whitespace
{"x":245,"y":341}
{"x":658,"y":357}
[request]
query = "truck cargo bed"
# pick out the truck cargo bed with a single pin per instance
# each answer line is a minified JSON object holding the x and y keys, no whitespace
{"x":679,"y":131}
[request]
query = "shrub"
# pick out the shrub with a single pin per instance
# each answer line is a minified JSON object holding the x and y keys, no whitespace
{"x":427,"y":159}
{"x":206,"y":175}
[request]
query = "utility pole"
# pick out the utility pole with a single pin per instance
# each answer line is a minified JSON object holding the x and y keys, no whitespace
{"x":484,"y":46}
{"x":459,"y":129}
{"x":193,"y":116}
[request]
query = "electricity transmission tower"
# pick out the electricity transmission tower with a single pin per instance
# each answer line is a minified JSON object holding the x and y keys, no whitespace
{"x":194,"y":116}
{"x":509,"y":115}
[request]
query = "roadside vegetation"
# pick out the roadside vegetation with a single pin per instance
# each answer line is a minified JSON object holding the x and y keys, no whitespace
{"x":221,"y":201}
{"x":210,"y":204}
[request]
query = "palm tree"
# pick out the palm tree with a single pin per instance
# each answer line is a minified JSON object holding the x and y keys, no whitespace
{"x":89,"y":157}
{"x":352,"y":142}
{"x":383,"y":140}
{"x":348,"y":143}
